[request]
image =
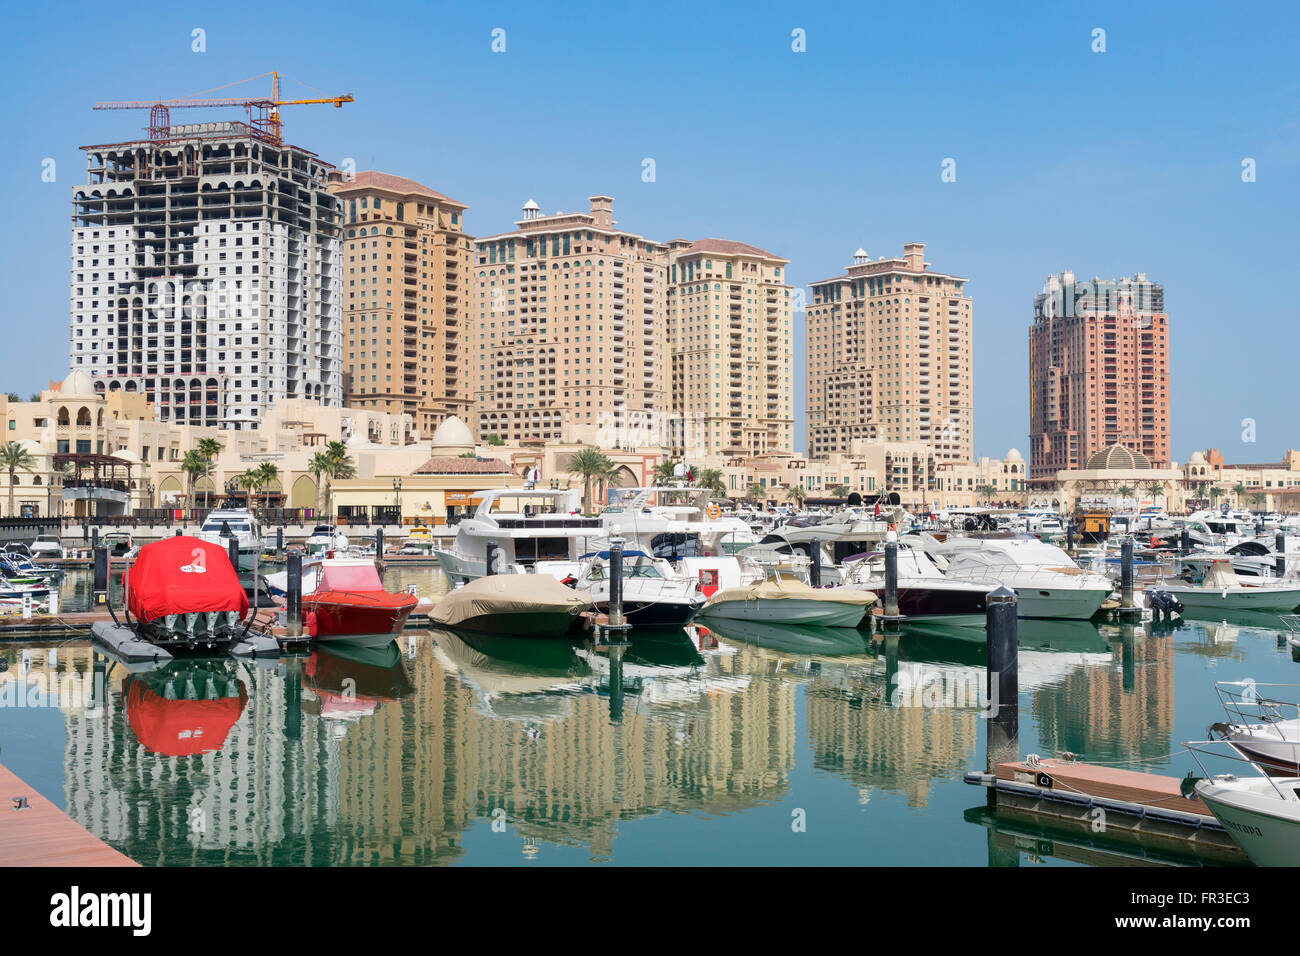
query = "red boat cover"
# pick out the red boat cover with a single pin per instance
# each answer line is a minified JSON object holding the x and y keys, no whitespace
{"x":180,"y":728}
{"x":180,"y":575}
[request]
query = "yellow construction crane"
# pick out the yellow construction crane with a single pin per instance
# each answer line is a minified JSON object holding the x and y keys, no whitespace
{"x":263,"y":112}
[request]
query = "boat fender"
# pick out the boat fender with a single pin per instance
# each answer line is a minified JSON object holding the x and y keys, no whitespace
{"x":312,"y":627}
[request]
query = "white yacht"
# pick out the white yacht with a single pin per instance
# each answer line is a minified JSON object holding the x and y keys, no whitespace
{"x":1262,"y":814}
{"x":1046,"y":580}
{"x":527,"y":525}
{"x":222,"y":524}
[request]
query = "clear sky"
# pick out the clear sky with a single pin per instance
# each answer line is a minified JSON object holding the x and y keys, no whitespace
{"x":1106,"y":163}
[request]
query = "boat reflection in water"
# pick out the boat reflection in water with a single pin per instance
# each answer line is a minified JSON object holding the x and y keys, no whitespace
{"x":348,"y":681}
{"x":186,"y":707}
{"x":793,"y":638}
{"x":512,"y":678}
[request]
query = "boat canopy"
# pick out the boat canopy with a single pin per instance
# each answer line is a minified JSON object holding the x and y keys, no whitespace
{"x":784,"y":587}
{"x":182,"y":575}
{"x":508,"y":594}
{"x":1220,"y":575}
{"x":349,"y":576}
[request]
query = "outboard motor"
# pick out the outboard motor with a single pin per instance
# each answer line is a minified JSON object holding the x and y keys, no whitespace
{"x":1162,"y":602}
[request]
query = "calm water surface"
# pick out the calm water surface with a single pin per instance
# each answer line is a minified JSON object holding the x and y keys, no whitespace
{"x":741,"y":747}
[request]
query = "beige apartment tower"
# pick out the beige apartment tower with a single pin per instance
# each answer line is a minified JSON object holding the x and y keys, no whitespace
{"x":889,"y":357}
{"x":570,"y":327}
{"x":406,"y":265}
{"x":731,"y":342}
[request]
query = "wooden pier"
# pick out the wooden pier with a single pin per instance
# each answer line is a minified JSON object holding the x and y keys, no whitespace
{"x":1123,"y":804}
{"x":43,"y":835}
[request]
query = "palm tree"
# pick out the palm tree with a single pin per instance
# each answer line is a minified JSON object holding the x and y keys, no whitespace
{"x":711,"y":478}
{"x":612,"y":478}
{"x":341,"y":465}
{"x":1154,"y":489}
{"x":1125,"y":491}
{"x":797,"y":494}
{"x":756,"y":493}
{"x":1257,"y":498}
{"x":662,"y":473}
{"x":209,"y":448}
{"x":984,"y":492}
{"x":1239,"y":489}
{"x":14,"y":457}
{"x":589,"y":465}
{"x":839,"y":490}
{"x":266,"y":473}
{"x":195,"y":466}
{"x":320,"y":464}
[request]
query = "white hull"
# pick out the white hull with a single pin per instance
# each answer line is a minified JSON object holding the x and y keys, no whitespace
{"x":790,"y":611}
{"x":1264,"y":825}
{"x":458,"y":568}
{"x":1069,"y":604}
{"x":1282,"y":600}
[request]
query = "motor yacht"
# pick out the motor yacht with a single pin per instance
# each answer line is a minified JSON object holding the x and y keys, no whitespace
{"x":784,"y":599}
{"x":1222,"y":589}
{"x":1046,"y":580}
{"x":526,"y":525}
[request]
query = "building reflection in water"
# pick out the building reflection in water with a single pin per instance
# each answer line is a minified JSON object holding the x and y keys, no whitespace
{"x":390,"y":755}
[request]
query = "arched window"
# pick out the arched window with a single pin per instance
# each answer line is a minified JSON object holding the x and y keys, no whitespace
{"x":63,"y":416}
{"x":83,"y":416}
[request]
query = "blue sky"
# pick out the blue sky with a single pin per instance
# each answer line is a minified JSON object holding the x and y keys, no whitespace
{"x":1105,"y":163}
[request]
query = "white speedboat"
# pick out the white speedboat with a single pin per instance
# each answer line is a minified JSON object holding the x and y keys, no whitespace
{"x":222,"y":524}
{"x":1222,"y":590}
{"x":783,"y":599}
{"x":1047,"y":582}
{"x":924,"y":592}
{"x":45,"y":549}
{"x":654,"y":595}
{"x":278,"y":583}
{"x":1262,"y":815}
{"x":323,"y":539}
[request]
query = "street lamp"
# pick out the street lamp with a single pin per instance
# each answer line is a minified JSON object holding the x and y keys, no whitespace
{"x":397,"y":495}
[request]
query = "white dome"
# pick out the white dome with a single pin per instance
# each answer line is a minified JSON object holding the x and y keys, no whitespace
{"x":860,"y":254}
{"x":77,"y":382}
{"x":1196,"y":459}
{"x":531,"y":205}
{"x":453,"y":433}
{"x":1014,"y":455}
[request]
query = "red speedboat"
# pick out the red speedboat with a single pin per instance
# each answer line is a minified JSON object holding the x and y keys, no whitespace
{"x":350,"y":603}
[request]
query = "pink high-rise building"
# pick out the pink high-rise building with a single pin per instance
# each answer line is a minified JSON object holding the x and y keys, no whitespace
{"x":1098,"y":370}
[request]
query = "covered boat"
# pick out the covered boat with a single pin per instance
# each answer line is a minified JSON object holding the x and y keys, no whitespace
{"x":350,"y":602}
{"x":1222,"y":590}
{"x":525,"y":605}
{"x":182,"y":590}
{"x":784,"y":599}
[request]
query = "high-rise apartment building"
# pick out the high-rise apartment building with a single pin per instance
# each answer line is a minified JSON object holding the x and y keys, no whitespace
{"x":1099,"y":371}
{"x":730,"y":340}
{"x":205,"y":273}
{"x":406,"y":264}
{"x":889,"y":357}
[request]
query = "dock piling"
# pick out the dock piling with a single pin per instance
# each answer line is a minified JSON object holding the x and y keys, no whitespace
{"x":891,"y":575}
{"x":279,"y":540}
{"x":232,"y":551}
{"x":1126,"y":605}
{"x":616,"y":584}
{"x":293,"y":595}
{"x":99,"y":583}
{"x":1002,"y":736}
{"x":815,"y":567}
{"x":1069,"y":536}
{"x":94,"y":537}
{"x":379,"y":544}
{"x":1185,"y":541}
{"x":1279,"y":545}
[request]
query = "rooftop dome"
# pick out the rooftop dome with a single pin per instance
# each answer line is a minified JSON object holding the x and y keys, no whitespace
{"x":1014,"y":455}
{"x":1117,"y":458}
{"x":453,"y":435}
{"x":77,"y":382}
{"x":1196,"y":459}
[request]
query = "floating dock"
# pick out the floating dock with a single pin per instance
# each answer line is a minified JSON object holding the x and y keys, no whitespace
{"x":40,"y":834}
{"x":1124,"y":804}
